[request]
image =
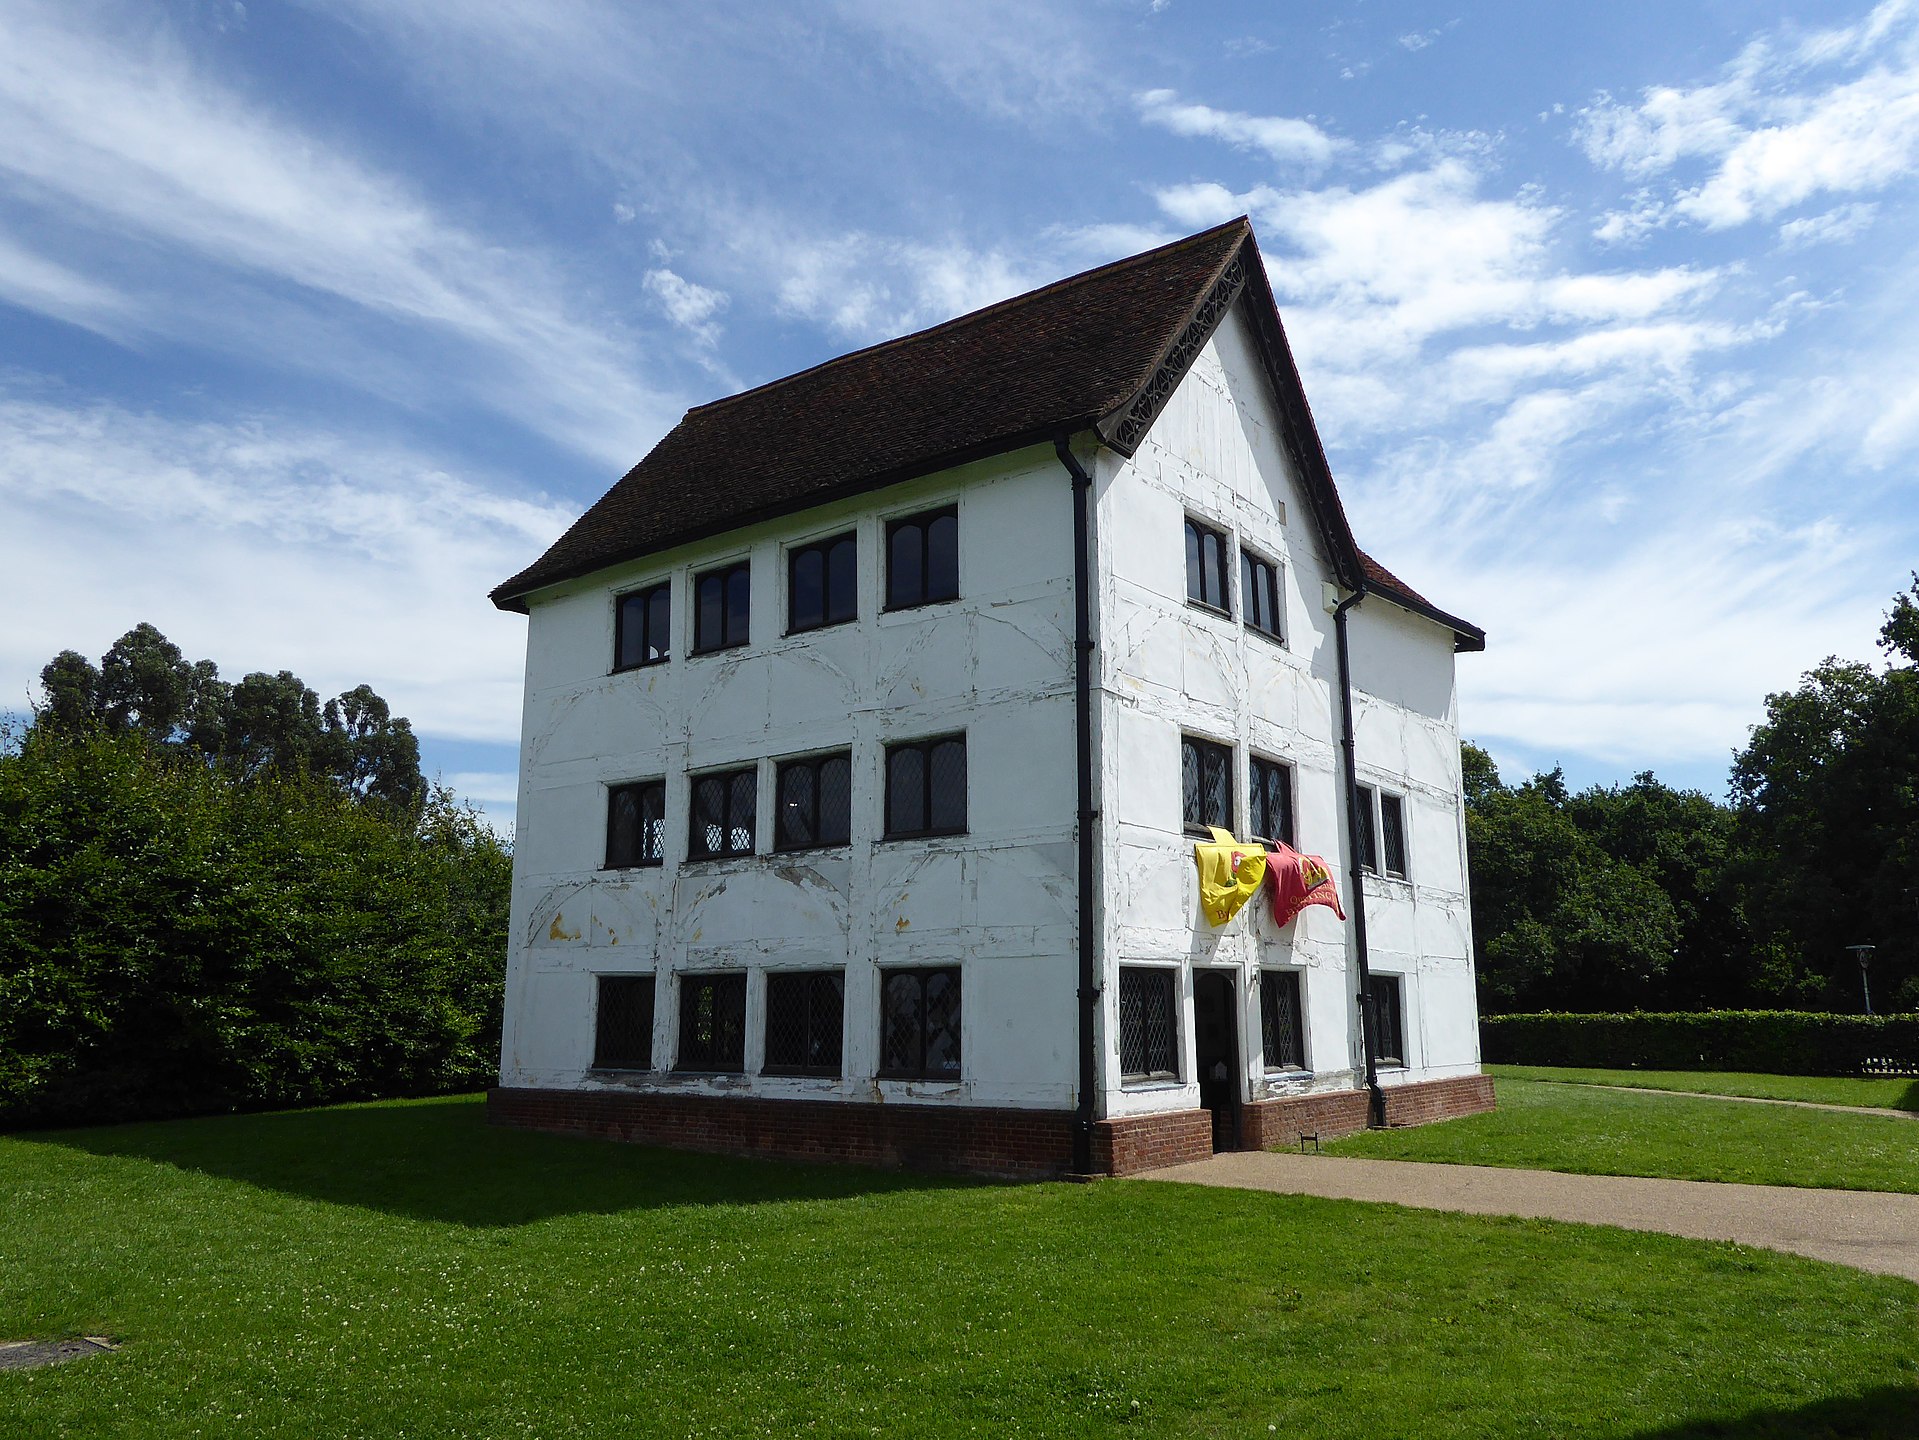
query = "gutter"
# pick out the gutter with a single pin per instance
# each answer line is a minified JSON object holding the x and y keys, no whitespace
{"x":1356,"y":869}
{"x":1083,"y":725}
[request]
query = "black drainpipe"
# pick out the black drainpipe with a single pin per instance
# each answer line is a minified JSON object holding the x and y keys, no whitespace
{"x":1083,"y":716}
{"x":1357,"y":871}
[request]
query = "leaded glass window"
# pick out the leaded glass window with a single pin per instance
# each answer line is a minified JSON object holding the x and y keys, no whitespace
{"x":926,"y":788}
{"x":643,"y":627}
{"x":805,"y":1019}
{"x":723,"y":813}
{"x":712,"y":1023}
{"x":922,"y":559}
{"x":1206,"y":784}
{"x":821,"y":584}
{"x":1148,"y":1036}
{"x":1282,"y":1021}
{"x":623,"y":1023}
{"x":920,"y":1024}
{"x":1271,"y":812}
{"x":814,"y":802}
{"x":1206,"y":578}
{"x":636,"y":824}
{"x":722,"y":608}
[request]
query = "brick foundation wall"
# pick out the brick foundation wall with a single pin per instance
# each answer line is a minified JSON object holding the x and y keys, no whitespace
{"x":1277,"y":1124}
{"x":1010,"y":1144}
{"x":1132,"y":1143}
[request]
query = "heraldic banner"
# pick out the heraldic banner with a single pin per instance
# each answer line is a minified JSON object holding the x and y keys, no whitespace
{"x":1229,"y":875}
{"x":1301,"y":880}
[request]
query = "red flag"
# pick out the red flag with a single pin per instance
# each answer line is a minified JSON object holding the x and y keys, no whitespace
{"x":1298,"y":881}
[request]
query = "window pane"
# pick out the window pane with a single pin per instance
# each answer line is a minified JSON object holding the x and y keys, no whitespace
{"x":842,"y":582}
{"x":659,"y":627}
{"x":1195,"y":587}
{"x":1189,"y":782}
{"x":707,"y":834}
{"x":825,"y":1022}
{"x":904,"y":582}
{"x":632,"y":628}
{"x":713,"y":1023}
{"x":742,"y":802}
{"x":905,"y":790}
{"x":798,"y":822}
{"x":653,"y":822}
{"x":1270,"y":581}
{"x":1389,"y":1036}
{"x":1216,"y":797}
{"x":623,"y":1023}
{"x":738,"y":605}
{"x":835,"y":800}
{"x":948,"y":786}
{"x":942,"y":558}
{"x":1248,"y":589}
{"x":900,"y":1023}
{"x":710,"y":594}
{"x":943,"y":1024}
{"x":1392,"y":833}
{"x":807,"y":591}
{"x":1281,"y":1023}
{"x":1147,"y":1037}
{"x":1368,"y":851}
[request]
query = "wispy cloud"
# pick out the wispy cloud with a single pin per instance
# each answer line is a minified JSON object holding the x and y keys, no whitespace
{"x":1287,"y":139}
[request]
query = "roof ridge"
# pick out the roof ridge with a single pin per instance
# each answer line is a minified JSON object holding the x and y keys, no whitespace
{"x":1112,"y":267}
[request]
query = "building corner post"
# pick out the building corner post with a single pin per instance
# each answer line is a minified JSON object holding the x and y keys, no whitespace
{"x":1089,"y":989}
{"x":1356,"y":869}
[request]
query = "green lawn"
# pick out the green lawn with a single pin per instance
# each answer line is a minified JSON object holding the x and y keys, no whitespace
{"x":1549,"y":1126}
{"x":404,"y":1270}
{"x":1872,"y":1094}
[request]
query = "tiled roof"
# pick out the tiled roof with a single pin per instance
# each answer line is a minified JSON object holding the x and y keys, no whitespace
{"x":1098,"y":349}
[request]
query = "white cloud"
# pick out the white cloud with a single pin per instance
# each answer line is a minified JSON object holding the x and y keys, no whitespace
{"x":34,"y":282}
{"x":1286,"y":139}
{"x":1418,"y":40}
{"x":1834,"y":225}
{"x":131,"y":141}
{"x":264,"y":544}
{"x":689,"y":306}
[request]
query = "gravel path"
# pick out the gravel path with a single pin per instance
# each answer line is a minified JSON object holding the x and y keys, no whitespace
{"x":1865,"y":1229}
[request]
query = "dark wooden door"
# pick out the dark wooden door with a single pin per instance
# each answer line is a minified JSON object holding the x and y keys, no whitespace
{"x":1216,"y":1053}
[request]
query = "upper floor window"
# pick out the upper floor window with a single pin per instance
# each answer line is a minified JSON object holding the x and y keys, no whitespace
{"x":815,"y":802}
{"x":722,"y":607}
{"x":1206,"y":784}
{"x":723,"y":813}
{"x":1271,"y":811}
{"x":642,"y":627}
{"x":922,"y":559}
{"x":821,"y":584}
{"x":926,"y":788}
{"x":1382,"y":832}
{"x":1259,"y":594}
{"x":1206,"y":579}
{"x":636,"y":825}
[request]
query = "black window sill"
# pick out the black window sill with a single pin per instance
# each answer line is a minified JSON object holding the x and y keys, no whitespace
{"x":1390,"y":1065}
{"x":711,"y":1074}
{"x":919,"y":605}
{"x":1201,"y":833}
{"x":1289,"y":1074}
{"x":940,"y":1079}
{"x":1271,"y":637}
{"x":639,"y":665}
{"x":923,"y":835}
{"x":792,"y":631}
{"x":636,"y":865}
{"x":1203,"y":607}
{"x":1151,"y":1082}
{"x":619,"y":1069}
{"x":784,"y":1074}
{"x":811,"y":849}
{"x":719,"y":649}
{"x":713,"y":859}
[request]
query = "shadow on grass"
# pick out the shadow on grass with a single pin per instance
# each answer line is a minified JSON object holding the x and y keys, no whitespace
{"x":440,"y":1160}
{"x":1909,"y":1100}
{"x":1890,"y":1413}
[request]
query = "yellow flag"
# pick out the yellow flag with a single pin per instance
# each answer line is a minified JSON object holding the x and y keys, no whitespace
{"x":1229,"y":875}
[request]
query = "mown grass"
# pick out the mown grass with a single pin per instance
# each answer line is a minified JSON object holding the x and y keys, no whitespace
{"x":1548,"y":1126}
{"x":404,"y":1270}
{"x":1872,"y":1094}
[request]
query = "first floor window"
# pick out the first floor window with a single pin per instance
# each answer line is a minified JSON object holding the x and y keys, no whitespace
{"x":642,"y":627}
{"x":1148,"y":1038}
{"x":1259,"y":594}
{"x":1206,"y":579}
{"x":926,"y":788}
{"x":922,"y":559}
{"x":1206,"y":784}
{"x":1282,"y":1022}
{"x":636,"y":825}
{"x":920,"y":1024}
{"x":1271,"y":815}
{"x":712,"y":1023}
{"x":821,"y":585}
{"x":723,"y":814}
{"x":815,"y":802}
{"x":1364,"y":799}
{"x":1389,"y":1021}
{"x":623,"y":1023}
{"x":1392,"y":833}
{"x":805,"y":1017}
{"x":722,"y":607}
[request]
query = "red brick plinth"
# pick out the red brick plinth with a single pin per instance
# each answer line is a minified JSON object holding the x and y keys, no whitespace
{"x":1273,"y":1124}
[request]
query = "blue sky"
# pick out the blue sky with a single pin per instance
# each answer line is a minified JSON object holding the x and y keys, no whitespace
{"x":320,"y":319}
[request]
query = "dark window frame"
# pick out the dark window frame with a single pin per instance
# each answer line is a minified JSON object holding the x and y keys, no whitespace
{"x":658,"y":594}
{"x":1259,"y":593}
{"x":1136,"y":1025}
{"x":923,"y":976}
{"x":828,"y":616}
{"x":926,"y":748}
{"x":727,"y":988}
{"x":1275,"y":984}
{"x":1388,"y":834}
{"x":1203,"y":748}
{"x":703,"y":644}
{"x":640,"y":859}
{"x":1197,"y":535}
{"x":1257,"y":797}
{"x":812,"y":764}
{"x":923,"y":521}
{"x":812,"y":1024}
{"x":696,"y":846}
{"x":604,"y":1016}
{"x":1389,"y":1021}
{"x":1366,"y":802}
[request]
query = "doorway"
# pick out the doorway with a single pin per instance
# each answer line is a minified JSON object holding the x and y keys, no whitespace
{"x":1216,"y":1054}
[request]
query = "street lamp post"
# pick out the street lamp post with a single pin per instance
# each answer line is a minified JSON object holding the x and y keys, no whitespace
{"x":1863,"y":954}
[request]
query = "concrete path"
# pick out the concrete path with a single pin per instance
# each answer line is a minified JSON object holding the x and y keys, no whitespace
{"x":1865,"y":1229}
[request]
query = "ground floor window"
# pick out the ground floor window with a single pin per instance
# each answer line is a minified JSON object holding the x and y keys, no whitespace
{"x":712,"y":1023}
{"x":1282,"y":1021}
{"x":623,"y":1023}
{"x":805,"y":1021}
{"x":1389,"y":1021}
{"x":920,"y":1024}
{"x":1148,"y":1035}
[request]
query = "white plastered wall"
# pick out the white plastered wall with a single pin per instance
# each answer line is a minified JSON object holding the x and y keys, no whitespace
{"x":1168,"y":668}
{"x":999,"y":901}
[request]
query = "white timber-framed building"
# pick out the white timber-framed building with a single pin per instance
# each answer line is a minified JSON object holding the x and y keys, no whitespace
{"x":870,"y":721}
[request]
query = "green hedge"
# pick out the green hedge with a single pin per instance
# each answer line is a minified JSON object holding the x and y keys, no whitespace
{"x":1766,"y":1042}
